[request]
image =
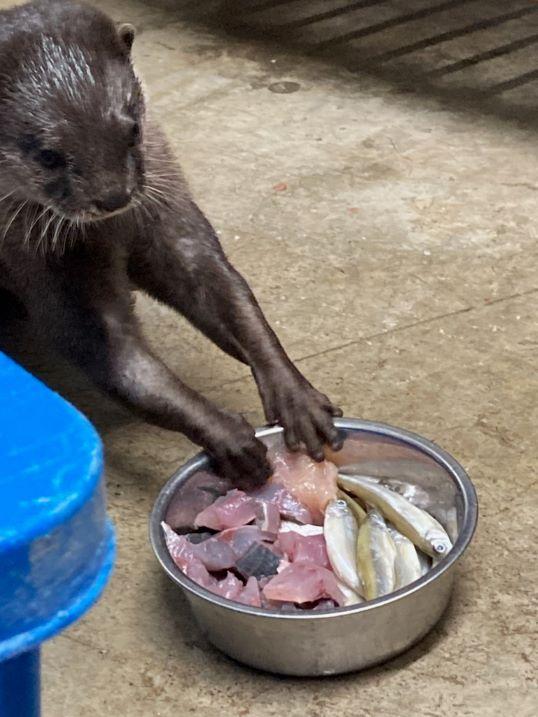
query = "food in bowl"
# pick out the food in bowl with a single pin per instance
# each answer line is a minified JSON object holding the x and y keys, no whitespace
{"x":313,"y":538}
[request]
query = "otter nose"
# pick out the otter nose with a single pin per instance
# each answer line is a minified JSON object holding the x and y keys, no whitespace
{"x":113,"y":201}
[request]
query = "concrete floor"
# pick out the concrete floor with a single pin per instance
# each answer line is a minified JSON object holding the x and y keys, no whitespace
{"x":386,"y":219}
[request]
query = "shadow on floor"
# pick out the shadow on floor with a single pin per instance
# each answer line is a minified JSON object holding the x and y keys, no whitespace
{"x":469,"y":54}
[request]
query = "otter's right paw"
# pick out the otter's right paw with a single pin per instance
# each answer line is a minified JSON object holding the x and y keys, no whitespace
{"x":239,"y":455}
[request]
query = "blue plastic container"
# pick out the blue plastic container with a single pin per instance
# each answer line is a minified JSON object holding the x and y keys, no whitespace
{"x":56,"y":542}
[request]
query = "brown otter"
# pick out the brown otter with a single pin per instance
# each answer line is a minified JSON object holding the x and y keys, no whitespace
{"x":93,"y":205}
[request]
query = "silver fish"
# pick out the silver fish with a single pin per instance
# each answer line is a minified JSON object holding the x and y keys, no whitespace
{"x":351,"y":597}
{"x":376,"y":554}
{"x":425,"y":562}
{"x":407,"y":564}
{"x":341,"y":533}
{"x":357,"y":509}
{"x":417,"y":525}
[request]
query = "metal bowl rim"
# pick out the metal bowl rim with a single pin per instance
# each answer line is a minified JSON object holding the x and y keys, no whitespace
{"x":201,"y":460}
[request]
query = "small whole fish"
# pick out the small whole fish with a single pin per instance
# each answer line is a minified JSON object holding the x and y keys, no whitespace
{"x":350,"y":596}
{"x":425,"y":562}
{"x":357,"y":509}
{"x":341,"y":533}
{"x":376,"y":554}
{"x":417,"y":525}
{"x":407,"y":565}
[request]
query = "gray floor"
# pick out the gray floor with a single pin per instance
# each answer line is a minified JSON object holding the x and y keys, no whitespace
{"x":386,"y":219}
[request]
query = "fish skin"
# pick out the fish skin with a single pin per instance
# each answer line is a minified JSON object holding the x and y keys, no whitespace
{"x":407,"y":564}
{"x":351,"y":597}
{"x":341,"y":534}
{"x":376,"y":555}
{"x":355,"y":507}
{"x":417,"y":525}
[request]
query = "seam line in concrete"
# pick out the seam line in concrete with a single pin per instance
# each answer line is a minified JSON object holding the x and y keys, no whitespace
{"x":396,"y":329}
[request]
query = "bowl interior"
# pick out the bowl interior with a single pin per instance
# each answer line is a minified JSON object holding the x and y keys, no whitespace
{"x":407,"y":467}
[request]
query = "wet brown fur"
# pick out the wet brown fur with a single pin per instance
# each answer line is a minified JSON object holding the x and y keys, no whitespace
{"x":75,"y":281}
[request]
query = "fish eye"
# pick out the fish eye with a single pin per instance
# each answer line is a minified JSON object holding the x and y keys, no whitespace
{"x":50,"y":159}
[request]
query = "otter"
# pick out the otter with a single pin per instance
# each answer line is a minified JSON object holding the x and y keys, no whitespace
{"x":93,"y":206}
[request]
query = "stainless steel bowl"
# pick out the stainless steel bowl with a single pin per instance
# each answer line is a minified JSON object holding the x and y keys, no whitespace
{"x":343,"y":639}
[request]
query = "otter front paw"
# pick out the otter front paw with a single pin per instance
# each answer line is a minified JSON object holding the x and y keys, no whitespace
{"x":239,"y":455}
{"x":305,"y":414}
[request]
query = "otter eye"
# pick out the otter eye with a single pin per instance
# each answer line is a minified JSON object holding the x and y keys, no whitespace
{"x":135,"y":135}
{"x":50,"y":159}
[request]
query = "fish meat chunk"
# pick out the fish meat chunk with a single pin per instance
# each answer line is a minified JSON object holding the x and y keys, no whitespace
{"x":250,"y":595}
{"x":268,"y":519}
{"x":197,"y":493}
{"x":180,"y":549}
{"x":287,"y":525}
{"x":341,"y":534}
{"x":259,"y":561}
{"x":229,"y":587}
{"x":407,"y":564}
{"x":288,"y":506}
{"x":376,"y":554}
{"x":312,"y":484}
{"x":232,"y":510}
{"x":212,"y":553}
{"x":304,"y":583}
{"x":417,"y":525}
{"x":240,"y":539}
{"x":303,"y":548}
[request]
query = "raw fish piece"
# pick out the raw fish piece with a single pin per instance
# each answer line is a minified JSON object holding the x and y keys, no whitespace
{"x":195,"y":538}
{"x":268,"y":519}
{"x":212,"y":553}
{"x":420,"y":527}
{"x":259,"y":561}
{"x":198,"y":574}
{"x":341,"y":534}
{"x":192,"y":497}
{"x":304,"y":548}
{"x":312,"y":484}
{"x":287,"y":525}
{"x":288,"y":506}
{"x":181,"y":551}
{"x":215,"y":554}
{"x":229,"y":511}
{"x":304,"y":582}
{"x":240,"y":539}
{"x":229,"y":587}
{"x":250,"y":594}
{"x":376,"y":554}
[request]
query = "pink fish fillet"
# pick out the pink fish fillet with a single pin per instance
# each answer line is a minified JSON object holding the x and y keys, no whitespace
{"x":312,"y":484}
{"x":212,"y":553}
{"x":250,"y":594}
{"x":288,"y":506}
{"x":268,"y":519}
{"x":304,"y":548}
{"x":229,"y":511}
{"x":230,"y":587}
{"x":240,"y":539}
{"x":302,"y":583}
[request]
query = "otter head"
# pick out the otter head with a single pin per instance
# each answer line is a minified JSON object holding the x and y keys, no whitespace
{"x":73,"y":125}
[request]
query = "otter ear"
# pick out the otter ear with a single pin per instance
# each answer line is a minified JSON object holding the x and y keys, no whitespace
{"x":126,"y":34}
